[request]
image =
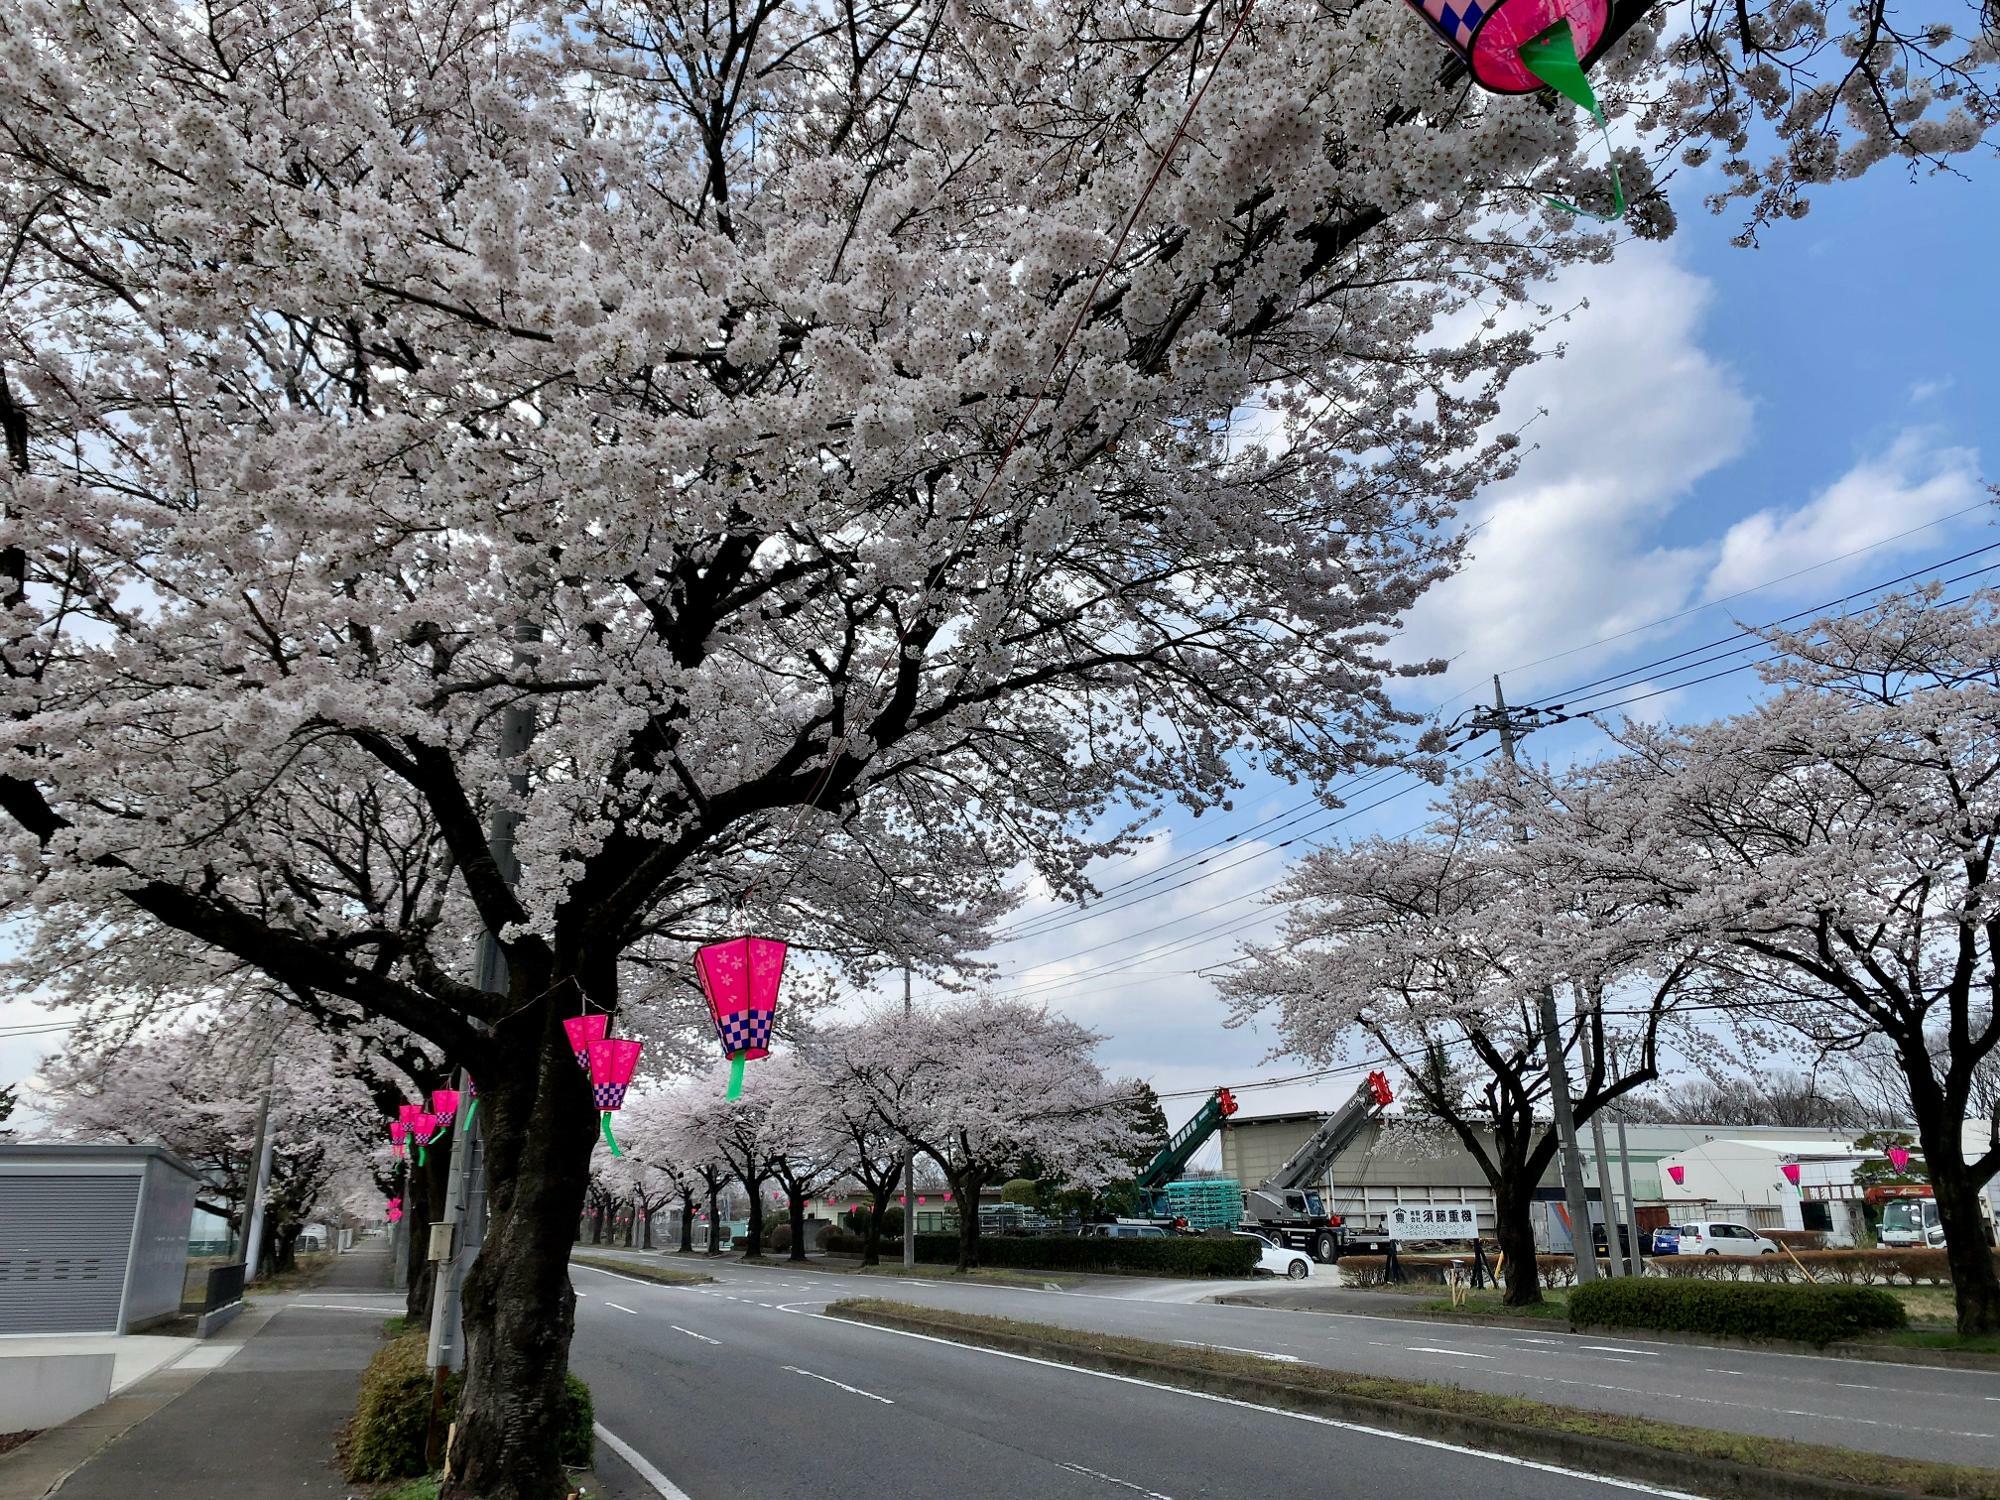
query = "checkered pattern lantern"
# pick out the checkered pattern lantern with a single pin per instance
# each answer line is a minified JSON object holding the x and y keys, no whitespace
{"x":1899,"y":1157}
{"x":444,"y":1104}
{"x":741,"y":979}
{"x":1489,"y":34}
{"x":471,"y":1102}
{"x":397,"y":1130}
{"x":612,"y":1060}
{"x":395,"y":1210}
{"x":583,"y":1030}
{"x":423,"y":1130}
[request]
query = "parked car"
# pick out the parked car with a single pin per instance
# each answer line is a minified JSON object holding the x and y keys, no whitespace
{"x":1121,"y":1230}
{"x":1722,"y":1237}
{"x":1294,"y":1265}
{"x":1667,"y":1240}
{"x":1912,"y":1222}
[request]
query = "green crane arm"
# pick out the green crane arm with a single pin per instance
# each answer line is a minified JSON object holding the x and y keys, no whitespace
{"x":1182,"y":1145}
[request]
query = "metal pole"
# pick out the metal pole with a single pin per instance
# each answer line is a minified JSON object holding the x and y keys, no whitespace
{"x":1631,"y":1203}
{"x":910,"y":1168}
{"x":1552,"y":1048}
{"x":465,"y":1200}
{"x":1607,"y":1200}
{"x":260,"y":1173}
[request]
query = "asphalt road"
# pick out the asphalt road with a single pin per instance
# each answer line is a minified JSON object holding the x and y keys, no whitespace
{"x":1913,"y":1411}
{"x":744,"y":1391}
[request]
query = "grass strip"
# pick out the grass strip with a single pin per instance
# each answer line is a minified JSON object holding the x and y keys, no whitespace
{"x":989,"y":1276}
{"x":1605,"y":1442}
{"x":639,"y":1271}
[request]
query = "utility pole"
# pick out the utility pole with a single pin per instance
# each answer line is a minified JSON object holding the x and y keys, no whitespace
{"x":1552,"y":1048}
{"x":1631,"y":1203}
{"x":260,"y":1172}
{"x":1613,"y":1256}
{"x":465,"y":1199}
{"x":910,"y":1166}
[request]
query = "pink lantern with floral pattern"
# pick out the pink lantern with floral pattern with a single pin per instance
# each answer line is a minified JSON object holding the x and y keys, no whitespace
{"x":740,"y":979}
{"x":611,"y":1061}
{"x":583,"y":1030}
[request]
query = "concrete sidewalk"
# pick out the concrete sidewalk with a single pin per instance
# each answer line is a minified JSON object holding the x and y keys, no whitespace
{"x":254,"y":1413}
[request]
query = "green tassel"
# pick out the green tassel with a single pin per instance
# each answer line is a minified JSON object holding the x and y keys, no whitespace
{"x":420,"y":1154}
{"x":610,"y":1139}
{"x":1551,"y":57}
{"x":471,"y":1110}
{"x":735,"y":1077}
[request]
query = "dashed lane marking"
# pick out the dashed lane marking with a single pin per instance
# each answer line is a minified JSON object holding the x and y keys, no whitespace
{"x":637,"y":1460}
{"x":693,"y":1335}
{"x":1125,"y":1484}
{"x":623,"y":1308}
{"x":851,"y":1389}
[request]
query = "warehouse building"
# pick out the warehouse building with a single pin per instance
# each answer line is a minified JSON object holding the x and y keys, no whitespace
{"x":1726,"y":1172}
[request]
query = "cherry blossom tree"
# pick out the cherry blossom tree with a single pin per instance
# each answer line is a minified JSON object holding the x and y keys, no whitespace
{"x":808,"y":1147}
{"x":980,"y":1088}
{"x":873,"y":1151}
{"x":807,"y":441}
{"x":1838,"y":841}
{"x":1432,"y":952}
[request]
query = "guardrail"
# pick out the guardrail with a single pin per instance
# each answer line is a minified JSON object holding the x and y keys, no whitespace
{"x":222,"y":1301}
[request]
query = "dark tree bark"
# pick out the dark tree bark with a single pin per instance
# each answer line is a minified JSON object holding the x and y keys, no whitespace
{"x":687,"y":1223}
{"x":878,"y":1210}
{"x":795,"y":1201}
{"x":713,"y":1179}
{"x":1975,"y":1279}
{"x":1514,"y":1232}
{"x":753,"y":1244}
{"x":540,"y":1125}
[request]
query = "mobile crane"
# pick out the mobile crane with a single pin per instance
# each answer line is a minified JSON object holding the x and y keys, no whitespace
{"x":1286,"y":1206}
{"x":1178,"y":1152}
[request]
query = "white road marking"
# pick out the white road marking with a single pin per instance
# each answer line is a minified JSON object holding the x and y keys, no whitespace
{"x":1707,"y":1371}
{"x":693,"y":1335}
{"x":619,"y":1276}
{"x":373,"y":1312}
{"x":637,"y":1460}
{"x":1635,"y":1485}
{"x":1290,"y":1359}
{"x":850,"y":1389}
{"x":1433,"y":1349}
{"x":1137,"y":1489}
{"x":1615,"y":1349}
{"x":623,"y":1308}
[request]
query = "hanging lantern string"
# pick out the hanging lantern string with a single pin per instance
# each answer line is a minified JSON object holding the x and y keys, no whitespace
{"x":1552,"y":58}
{"x":1041,"y":395}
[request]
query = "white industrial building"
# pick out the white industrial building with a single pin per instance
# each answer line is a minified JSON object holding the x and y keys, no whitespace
{"x":1727,"y":1172}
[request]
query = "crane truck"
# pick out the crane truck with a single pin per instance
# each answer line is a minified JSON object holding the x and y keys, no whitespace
{"x":1177,"y":1153}
{"x":1286,"y":1206}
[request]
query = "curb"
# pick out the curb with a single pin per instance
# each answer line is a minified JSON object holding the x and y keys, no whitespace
{"x":1604,"y":1456}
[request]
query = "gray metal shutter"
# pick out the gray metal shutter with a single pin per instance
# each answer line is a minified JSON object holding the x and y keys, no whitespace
{"x":64,"y":1239}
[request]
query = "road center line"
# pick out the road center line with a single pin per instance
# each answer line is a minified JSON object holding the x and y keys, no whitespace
{"x":1126,"y":1484}
{"x":1616,"y":1349}
{"x":637,"y":1460}
{"x":851,"y":1389}
{"x":623,"y":1308}
{"x":693,"y":1335}
{"x":1433,"y":1349}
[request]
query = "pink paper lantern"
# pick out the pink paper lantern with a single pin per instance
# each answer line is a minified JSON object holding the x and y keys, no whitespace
{"x":424,"y":1127}
{"x":583,"y":1030}
{"x":444,"y":1104}
{"x":1791,"y":1171}
{"x":612,"y":1060}
{"x":1899,"y":1157}
{"x":1679,"y":1175}
{"x":1489,"y":34}
{"x":740,"y":979}
{"x":397,"y":1130}
{"x":408,"y":1112}
{"x":920,"y":1197}
{"x":947,"y":1197}
{"x":901,"y":1199}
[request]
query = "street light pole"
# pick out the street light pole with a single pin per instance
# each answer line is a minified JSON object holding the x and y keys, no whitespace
{"x":1552,"y":1051}
{"x":910,"y":1166}
{"x":260,"y":1173}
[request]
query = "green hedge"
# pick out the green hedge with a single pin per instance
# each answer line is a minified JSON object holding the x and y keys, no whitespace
{"x":1737,"y":1309}
{"x":1176,"y":1255}
{"x":387,"y":1438}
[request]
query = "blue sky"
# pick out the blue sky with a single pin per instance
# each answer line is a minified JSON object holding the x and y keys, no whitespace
{"x":1723,"y":416}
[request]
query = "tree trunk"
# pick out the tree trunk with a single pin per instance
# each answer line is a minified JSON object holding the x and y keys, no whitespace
{"x":871,"y":1252}
{"x":797,"y":1206}
{"x":1514,"y":1229}
{"x":1975,"y":1280}
{"x":714,"y":1218}
{"x":967,"y":1189}
{"x":284,"y":1248}
{"x":687,"y":1223}
{"x":753,"y":1246}
{"x":519,"y":1309}
{"x":417,"y":1218}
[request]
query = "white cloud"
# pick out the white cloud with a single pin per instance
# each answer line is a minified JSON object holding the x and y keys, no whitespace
{"x":1879,"y":498}
{"x":1636,"y":413}
{"x":1923,"y":390}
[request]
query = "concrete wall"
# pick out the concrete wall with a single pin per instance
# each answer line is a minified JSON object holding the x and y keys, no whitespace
{"x":40,"y":1390}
